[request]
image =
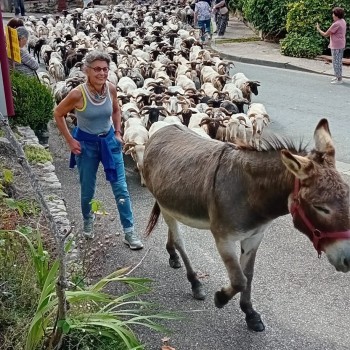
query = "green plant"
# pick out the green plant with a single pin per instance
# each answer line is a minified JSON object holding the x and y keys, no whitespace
{"x":18,"y":291}
{"x":36,"y":154}
{"x":297,"y":45}
{"x":7,"y":175}
{"x":98,"y":207}
{"x":92,"y":310}
{"x":267,"y":15}
{"x":33,"y":102}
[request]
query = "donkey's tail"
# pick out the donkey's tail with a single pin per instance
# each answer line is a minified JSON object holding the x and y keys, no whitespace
{"x":153,"y":219}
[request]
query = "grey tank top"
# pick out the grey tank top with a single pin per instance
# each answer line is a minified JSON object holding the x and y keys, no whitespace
{"x":94,"y":118}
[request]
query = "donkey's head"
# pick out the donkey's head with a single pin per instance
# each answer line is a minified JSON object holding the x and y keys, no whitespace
{"x":320,"y":202}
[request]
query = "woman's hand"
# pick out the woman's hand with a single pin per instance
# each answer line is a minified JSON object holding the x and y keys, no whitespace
{"x":119,"y":138}
{"x":74,"y":146}
{"x":317,"y":26}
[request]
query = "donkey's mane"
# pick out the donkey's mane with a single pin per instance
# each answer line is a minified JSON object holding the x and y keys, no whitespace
{"x":276,"y":143}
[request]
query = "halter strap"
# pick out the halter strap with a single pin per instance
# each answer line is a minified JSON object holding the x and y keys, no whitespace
{"x":314,"y":234}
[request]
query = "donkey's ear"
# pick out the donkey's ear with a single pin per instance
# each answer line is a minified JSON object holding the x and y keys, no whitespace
{"x":323,"y":141}
{"x":300,"y":166}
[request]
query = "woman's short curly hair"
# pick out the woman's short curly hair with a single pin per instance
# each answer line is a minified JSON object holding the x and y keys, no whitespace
{"x":96,"y":55}
{"x":339,"y":12}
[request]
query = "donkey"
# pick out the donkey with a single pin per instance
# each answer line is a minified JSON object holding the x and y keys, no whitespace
{"x":236,"y":192}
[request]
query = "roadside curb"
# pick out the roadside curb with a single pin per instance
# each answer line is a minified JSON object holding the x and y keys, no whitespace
{"x":266,"y":63}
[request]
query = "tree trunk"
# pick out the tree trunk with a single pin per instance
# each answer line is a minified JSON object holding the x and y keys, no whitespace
{"x":62,"y":5}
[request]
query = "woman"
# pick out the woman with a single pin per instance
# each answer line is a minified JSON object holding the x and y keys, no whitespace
{"x":337,"y":34}
{"x":96,"y":139}
{"x":28,"y":64}
{"x":221,"y":17}
{"x":202,"y":14}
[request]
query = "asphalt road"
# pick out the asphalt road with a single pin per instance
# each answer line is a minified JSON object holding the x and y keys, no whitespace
{"x":303,"y":301}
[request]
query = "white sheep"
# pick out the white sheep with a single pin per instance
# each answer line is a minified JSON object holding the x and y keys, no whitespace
{"x":259,"y":118}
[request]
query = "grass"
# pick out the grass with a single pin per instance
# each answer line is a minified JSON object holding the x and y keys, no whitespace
{"x":238,"y":40}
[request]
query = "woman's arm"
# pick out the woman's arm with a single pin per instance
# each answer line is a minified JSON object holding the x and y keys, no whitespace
{"x":220,"y":4}
{"x":28,"y":60}
{"x":325,"y":34}
{"x":116,"y":113}
{"x":69,"y":103}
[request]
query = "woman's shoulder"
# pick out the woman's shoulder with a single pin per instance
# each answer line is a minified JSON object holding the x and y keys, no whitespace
{"x":76,"y":93}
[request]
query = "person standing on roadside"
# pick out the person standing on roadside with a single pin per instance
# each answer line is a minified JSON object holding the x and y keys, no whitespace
{"x":221,"y":17}
{"x":337,"y":34}
{"x":19,"y":8}
{"x":98,"y":138}
{"x":28,"y":64}
{"x":202,"y":14}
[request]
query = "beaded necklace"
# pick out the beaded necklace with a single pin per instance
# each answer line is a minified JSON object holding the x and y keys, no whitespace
{"x":94,"y":94}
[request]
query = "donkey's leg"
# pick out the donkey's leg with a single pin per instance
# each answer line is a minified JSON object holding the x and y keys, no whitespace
{"x":174,"y":259}
{"x":175,"y":241}
{"x":226,"y":246}
{"x":249,"y":248}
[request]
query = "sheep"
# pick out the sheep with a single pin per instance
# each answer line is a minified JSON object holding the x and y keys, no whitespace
{"x":135,"y":138}
{"x":209,"y":75}
{"x":185,"y":82}
{"x":239,"y":127}
{"x":126,"y":85}
{"x":156,"y":126}
{"x":245,"y":85}
{"x":259,"y":118}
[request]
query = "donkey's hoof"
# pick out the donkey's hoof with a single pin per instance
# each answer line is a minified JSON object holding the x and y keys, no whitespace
{"x":254,"y":322}
{"x":221,"y":299}
{"x":198,"y":293}
{"x":174,"y":263}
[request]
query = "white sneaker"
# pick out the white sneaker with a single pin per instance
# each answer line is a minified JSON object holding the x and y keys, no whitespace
{"x":337,"y":82}
{"x":333,"y":79}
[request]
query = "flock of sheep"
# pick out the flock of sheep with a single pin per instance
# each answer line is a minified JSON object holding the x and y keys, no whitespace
{"x":162,"y":72}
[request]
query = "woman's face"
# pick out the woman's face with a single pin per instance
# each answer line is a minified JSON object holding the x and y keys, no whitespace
{"x":97,"y":72}
{"x":22,"y":41}
{"x":334,"y":17}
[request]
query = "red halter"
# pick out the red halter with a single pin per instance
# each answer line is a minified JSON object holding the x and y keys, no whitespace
{"x":315,"y":235}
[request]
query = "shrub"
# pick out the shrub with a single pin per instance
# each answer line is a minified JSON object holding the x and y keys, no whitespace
{"x":33,"y":102}
{"x":298,"y":45}
{"x":267,"y":15}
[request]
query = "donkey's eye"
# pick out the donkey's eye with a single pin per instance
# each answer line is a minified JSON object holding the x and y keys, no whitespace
{"x":323,"y":209}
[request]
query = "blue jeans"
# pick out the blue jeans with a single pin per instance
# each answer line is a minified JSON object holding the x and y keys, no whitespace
{"x":19,"y":7}
{"x":204,"y":25}
{"x":87,"y":163}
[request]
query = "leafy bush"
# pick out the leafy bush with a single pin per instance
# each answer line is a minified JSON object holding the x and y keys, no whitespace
{"x":33,"y":102}
{"x":298,"y":45}
{"x":267,"y":15}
